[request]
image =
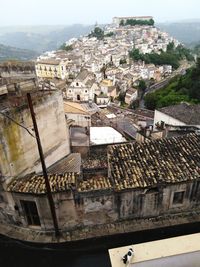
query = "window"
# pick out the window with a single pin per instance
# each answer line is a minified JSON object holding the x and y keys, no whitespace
{"x":1,"y":199}
{"x":85,"y":91}
{"x":77,"y":84}
{"x":178,"y":197}
{"x":31,"y":212}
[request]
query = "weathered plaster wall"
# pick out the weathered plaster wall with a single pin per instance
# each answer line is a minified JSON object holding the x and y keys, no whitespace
{"x":79,"y":119}
{"x":98,"y":208}
{"x":157,"y":201}
{"x":72,"y":209}
{"x":18,"y":150}
{"x":103,"y":207}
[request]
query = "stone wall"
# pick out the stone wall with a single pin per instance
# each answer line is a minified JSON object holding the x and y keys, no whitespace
{"x":100,"y":207}
{"x":157,"y":201}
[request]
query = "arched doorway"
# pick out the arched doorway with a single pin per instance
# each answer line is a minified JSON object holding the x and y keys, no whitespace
{"x":78,"y":97}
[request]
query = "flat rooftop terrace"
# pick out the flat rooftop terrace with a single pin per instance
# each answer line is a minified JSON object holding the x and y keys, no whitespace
{"x":183,"y":251}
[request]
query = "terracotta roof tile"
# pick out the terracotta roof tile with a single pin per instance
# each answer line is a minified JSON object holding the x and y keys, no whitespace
{"x":36,"y":185}
{"x":160,"y":161}
{"x":100,"y":183}
{"x":132,"y":165}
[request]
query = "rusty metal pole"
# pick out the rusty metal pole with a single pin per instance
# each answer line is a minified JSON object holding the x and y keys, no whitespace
{"x":48,"y":188}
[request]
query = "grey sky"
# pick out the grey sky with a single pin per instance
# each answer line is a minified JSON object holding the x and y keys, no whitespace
{"x":55,"y":12}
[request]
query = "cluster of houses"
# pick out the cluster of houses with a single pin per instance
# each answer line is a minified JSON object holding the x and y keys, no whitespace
{"x":107,"y":62}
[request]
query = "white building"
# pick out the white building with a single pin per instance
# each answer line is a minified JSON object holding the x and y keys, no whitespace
{"x":76,"y":114}
{"x":178,"y":115}
{"x":102,"y":100}
{"x":82,"y":88}
{"x":131,"y":95}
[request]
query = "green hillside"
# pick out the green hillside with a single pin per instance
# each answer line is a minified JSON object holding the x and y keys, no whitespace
{"x":45,"y":38}
{"x":13,"y":53}
{"x":172,"y":56}
{"x":181,"y":88}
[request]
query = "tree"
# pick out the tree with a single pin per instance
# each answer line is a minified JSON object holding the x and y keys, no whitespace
{"x":171,"y":57}
{"x":142,"y":85}
{"x":122,"y":23}
{"x":136,"y":55}
{"x":98,"y":33}
{"x":135,"y":104}
{"x":150,"y":101}
{"x":66,"y":47}
{"x":122,"y":61}
{"x":109,"y":34}
{"x":151,"y":22}
{"x":195,"y":90}
{"x":133,"y":22}
{"x":181,"y":88}
{"x":198,"y":64}
{"x":121,"y":97}
{"x":170,"y":47}
{"x":103,"y":70}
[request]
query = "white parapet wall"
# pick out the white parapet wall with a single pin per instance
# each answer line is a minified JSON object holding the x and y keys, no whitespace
{"x":183,"y":251}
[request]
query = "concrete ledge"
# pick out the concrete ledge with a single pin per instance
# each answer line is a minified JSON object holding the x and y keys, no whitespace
{"x":86,"y":232}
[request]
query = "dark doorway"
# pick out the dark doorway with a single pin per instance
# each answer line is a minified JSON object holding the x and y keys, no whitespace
{"x":31,"y":212}
{"x":78,"y":97}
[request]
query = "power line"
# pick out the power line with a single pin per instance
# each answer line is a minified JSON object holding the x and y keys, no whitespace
{"x":8,"y":117}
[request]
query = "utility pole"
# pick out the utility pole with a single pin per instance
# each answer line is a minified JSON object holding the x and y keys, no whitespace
{"x":48,"y":188}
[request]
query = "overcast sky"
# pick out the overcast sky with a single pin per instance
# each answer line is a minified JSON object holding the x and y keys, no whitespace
{"x":65,"y":12}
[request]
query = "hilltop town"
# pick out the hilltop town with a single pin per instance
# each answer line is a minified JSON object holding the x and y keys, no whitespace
{"x":106,"y":55}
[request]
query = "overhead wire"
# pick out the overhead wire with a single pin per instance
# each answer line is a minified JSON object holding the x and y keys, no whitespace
{"x":19,"y":124}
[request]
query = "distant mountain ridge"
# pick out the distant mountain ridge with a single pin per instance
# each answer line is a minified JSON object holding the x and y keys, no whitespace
{"x":185,"y":32}
{"x":13,"y":53}
{"x":42,"y":40}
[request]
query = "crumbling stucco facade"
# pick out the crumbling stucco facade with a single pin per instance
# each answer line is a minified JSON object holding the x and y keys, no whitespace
{"x":18,"y":149}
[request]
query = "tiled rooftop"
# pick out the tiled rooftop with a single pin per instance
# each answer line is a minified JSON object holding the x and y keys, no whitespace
{"x":132,"y":165}
{"x":160,"y":161}
{"x":82,"y":75}
{"x":71,"y":163}
{"x":101,"y":183}
{"x":36,"y":185}
{"x":189,"y":114}
{"x":95,"y":161}
{"x":52,"y":61}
